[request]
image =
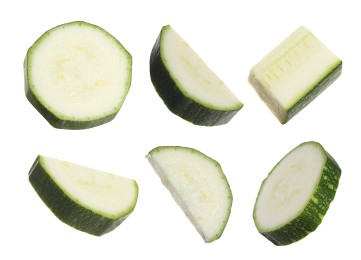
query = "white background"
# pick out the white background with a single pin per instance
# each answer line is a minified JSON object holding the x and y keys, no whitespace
{"x":230,"y":36}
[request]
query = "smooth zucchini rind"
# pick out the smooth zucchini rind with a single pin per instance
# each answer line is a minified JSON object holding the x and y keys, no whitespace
{"x":294,"y":73}
{"x":296,"y":194}
{"x":197,"y":184}
{"x":187,"y":86}
{"x":86,"y":199}
{"x":77,"y":75}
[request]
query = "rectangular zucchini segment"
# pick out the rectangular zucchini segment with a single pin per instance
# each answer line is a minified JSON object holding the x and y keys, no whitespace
{"x":294,"y":73}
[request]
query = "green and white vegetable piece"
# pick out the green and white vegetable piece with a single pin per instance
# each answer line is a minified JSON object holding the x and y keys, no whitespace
{"x":86,"y":199}
{"x":197,"y":184}
{"x":77,"y":75}
{"x":296,"y":195}
{"x":294,"y":74}
{"x":188,"y":87}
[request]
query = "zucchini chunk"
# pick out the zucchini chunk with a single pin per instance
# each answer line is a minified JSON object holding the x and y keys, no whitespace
{"x":77,"y":75}
{"x":294,"y":73}
{"x":86,"y":199}
{"x":197,"y":184}
{"x":187,"y":86}
{"x":296,"y":194}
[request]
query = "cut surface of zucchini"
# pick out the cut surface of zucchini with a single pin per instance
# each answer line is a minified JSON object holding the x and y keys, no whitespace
{"x":294,"y":73}
{"x":188,"y":87}
{"x":198,"y":185}
{"x":89,"y":200}
{"x":77,"y":75}
{"x":296,"y":194}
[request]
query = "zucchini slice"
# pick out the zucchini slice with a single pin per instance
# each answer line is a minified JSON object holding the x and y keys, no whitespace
{"x":197,"y":184}
{"x":187,"y":86}
{"x":294,"y":74}
{"x":86,"y":199}
{"x":77,"y":75}
{"x":296,"y":195}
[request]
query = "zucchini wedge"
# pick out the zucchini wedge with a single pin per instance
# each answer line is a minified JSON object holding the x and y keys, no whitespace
{"x":86,"y":199}
{"x":296,"y":195}
{"x":294,"y":73}
{"x":187,"y":86}
{"x":77,"y":75}
{"x":197,"y":184}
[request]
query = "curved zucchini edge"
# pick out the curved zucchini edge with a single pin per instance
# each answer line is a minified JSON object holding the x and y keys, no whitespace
{"x":179,"y":200}
{"x":55,"y":120}
{"x":311,"y":216}
{"x":176,"y":101}
{"x":65,"y":209}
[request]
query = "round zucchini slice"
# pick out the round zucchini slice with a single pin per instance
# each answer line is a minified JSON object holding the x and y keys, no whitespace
{"x":296,"y":195}
{"x":77,"y":75}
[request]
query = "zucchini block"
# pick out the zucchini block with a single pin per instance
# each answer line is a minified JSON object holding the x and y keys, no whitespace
{"x":187,"y":86}
{"x":77,"y":75}
{"x":294,"y":73}
{"x":86,"y":199}
{"x":296,"y":194}
{"x":197,"y":184}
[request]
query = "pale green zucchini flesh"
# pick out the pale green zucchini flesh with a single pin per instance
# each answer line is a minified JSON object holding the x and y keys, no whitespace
{"x":197,"y":184}
{"x":77,"y":75}
{"x":296,"y":194}
{"x":86,"y":199}
{"x":294,"y":73}
{"x":187,"y":86}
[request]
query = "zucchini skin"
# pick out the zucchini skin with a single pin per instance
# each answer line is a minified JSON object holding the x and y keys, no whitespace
{"x":67,"y":210}
{"x":176,"y":101}
{"x":285,"y":114}
{"x":312,"y":215}
{"x":52,"y":118}
{"x":55,"y":120}
{"x":318,"y":88}
{"x":178,"y":200}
